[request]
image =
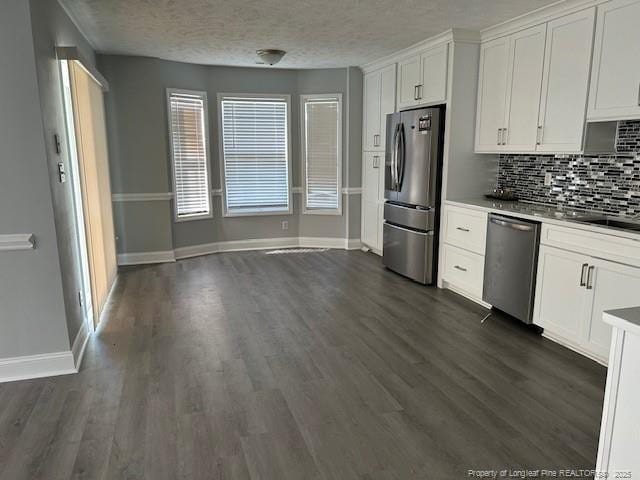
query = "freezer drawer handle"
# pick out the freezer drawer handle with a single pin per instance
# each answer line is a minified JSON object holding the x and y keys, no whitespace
{"x":423,"y":234}
{"x":458,"y":267}
{"x":515,"y":226}
{"x":462,"y":229}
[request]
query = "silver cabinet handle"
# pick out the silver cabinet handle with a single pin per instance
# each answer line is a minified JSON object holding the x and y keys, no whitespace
{"x":504,"y":136}
{"x":590,"y":277}
{"x":539,"y":135}
{"x":376,"y":140}
{"x":415,"y":92}
{"x":458,"y":267}
{"x":462,"y":229}
{"x":582,"y":273}
{"x":420,"y":92}
{"x":376,"y":161}
{"x":499,"y":139}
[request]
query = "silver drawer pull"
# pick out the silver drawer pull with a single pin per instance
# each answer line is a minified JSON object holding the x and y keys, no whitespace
{"x":590,"y":277}
{"x":462,"y":229}
{"x":458,"y":267}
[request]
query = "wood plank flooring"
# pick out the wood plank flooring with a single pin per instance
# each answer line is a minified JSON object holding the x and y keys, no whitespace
{"x":318,"y":365}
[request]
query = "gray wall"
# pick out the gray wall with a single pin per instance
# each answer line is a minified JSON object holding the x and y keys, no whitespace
{"x":32,"y":311}
{"x":139,"y":148}
{"x":52,"y":27}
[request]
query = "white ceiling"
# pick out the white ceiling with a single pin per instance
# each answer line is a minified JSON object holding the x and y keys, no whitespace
{"x":315,"y":33}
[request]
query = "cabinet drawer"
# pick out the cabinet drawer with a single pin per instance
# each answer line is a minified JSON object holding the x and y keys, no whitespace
{"x":465,"y":228}
{"x":609,"y":247}
{"x":463,"y":269}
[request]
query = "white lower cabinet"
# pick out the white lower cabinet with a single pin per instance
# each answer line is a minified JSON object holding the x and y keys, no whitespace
{"x":573,"y":290}
{"x":464,"y":270}
{"x":371,"y":232}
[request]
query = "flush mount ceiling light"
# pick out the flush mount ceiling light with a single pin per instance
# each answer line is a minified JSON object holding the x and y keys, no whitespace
{"x":270,"y":56}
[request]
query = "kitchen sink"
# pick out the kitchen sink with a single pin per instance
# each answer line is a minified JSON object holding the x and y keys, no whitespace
{"x":612,"y":223}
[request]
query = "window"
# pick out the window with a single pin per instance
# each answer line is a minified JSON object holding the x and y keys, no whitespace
{"x":321,"y":117}
{"x":188,"y":129}
{"x":255,"y":149}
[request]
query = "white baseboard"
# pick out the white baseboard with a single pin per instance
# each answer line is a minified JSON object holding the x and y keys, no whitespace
{"x":36,"y":366}
{"x":140,"y":258}
{"x":465,"y":294}
{"x":237,"y":246}
{"x":576,"y":348}
{"x":79,"y":345}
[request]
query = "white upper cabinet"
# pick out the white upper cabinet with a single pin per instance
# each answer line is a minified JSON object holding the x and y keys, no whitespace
{"x":537,"y":79}
{"x":408,"y":82}
{"x":379,"y":100}
{"x":615,"y":77}
{"x":526,"y":59}
{"x":422,"y":79}
{"x":565,"y":82}
{"x":434,"y":65}
{"x":492,"y":88}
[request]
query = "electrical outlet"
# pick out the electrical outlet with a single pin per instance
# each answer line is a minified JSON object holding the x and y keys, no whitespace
{"x":548,"y":178}
{"x":285,"y":225}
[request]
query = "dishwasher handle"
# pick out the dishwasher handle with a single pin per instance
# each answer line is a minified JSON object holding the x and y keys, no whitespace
{"x":513,"y":224}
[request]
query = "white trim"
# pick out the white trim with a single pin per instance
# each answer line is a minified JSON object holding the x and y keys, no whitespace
{"x":463,"y":293}
{"x":141,"y":258}
{"x":18,"y":241}
{"x":536,"y":17}
{"x":459,"y":35}
{"x":36,"y":366}
{"x":304,"y":99}
{"x":352,"y":191}
{"x":296,"y":190}
{"x":572,"y":346}
{"x":79,"y":345}
{"x":216,"y":192}
{"x":73,"y":54}
{"x":221,"y":164}
{"x":235,"y":246}
{"x":141,"y":197}
{"x":205,"y":106}
{"x":238,"y":246}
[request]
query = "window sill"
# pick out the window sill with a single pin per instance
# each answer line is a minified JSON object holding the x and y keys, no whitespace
{"x":189,"y":218}
{"x":258,"y":212}
{"x":333,"y":212}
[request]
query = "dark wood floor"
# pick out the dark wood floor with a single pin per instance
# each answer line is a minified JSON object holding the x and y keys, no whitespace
{"x":300,"y":366}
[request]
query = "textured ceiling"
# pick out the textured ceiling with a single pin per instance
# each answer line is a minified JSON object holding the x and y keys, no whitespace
{"x":315,"y":33}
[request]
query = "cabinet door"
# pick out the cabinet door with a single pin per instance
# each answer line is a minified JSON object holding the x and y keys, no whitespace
{"x":370,"y":194}
{"x":387,"y":100}
{"x":560,"y":293}
{"x":492,"y":85}
{"x":434,"y":65}
{"x":615,"y":78}
{"x":408,"y":82}
{"x":526,"y":58}
{"x":565,"y":83}
{"x":371,"y":111}
{"x":613,"y":286}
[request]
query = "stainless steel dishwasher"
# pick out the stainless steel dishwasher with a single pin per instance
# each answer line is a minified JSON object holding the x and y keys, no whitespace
{"x":510,"y":265}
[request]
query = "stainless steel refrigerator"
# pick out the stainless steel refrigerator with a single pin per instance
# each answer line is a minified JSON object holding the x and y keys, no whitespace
{"x":412,"y":185}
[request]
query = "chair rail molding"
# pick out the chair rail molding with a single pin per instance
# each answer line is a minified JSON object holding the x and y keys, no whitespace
{"x":18,"y":241}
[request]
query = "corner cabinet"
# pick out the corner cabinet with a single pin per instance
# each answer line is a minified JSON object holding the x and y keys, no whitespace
{"x":615,"y":78}
{"x":532,"y":89}
{"x":378,"y":101}
{"x":574,"y":288}
{"x":422,"y":79}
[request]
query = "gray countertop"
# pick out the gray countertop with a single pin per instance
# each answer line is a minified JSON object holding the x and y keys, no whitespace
{"x":543,"y":213}
{"x":626,"y":318}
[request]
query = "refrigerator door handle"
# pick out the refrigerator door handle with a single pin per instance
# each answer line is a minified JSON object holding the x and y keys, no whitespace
{"x":400,"y":164}
{"x":394,"y":159}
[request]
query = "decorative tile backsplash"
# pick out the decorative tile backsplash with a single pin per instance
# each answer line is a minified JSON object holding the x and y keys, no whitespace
{"x":607,"y":183}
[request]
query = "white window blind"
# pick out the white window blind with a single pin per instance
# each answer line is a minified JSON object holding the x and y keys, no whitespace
{"x":255,"y":148}
{"x":189,"y":153}
{"x":322,"y":131}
